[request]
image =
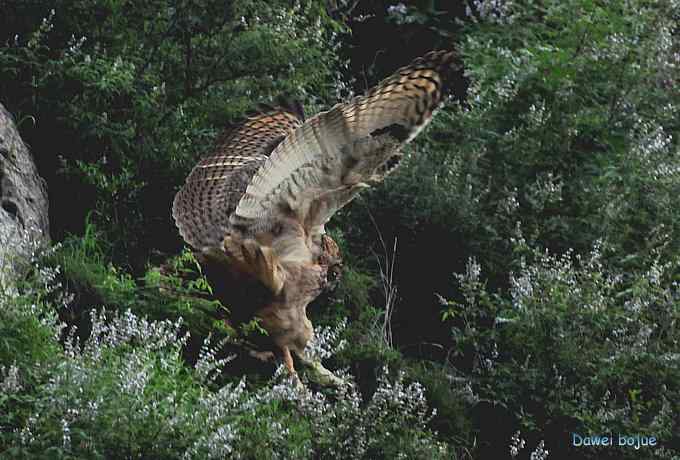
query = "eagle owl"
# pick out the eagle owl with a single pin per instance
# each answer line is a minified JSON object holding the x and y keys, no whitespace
{"x":254,"y":210}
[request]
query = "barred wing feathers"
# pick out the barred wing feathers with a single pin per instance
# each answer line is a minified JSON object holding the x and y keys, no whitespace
{"x":214,"y":187}
{"x":322,"y":165}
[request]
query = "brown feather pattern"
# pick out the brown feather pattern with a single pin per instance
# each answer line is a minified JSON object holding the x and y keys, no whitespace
{"x":255,"y":209}
{"x":216,"y":184}
{"x":321,"y":165}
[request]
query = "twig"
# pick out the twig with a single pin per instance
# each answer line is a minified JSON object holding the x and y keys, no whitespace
{"x":388,"y":285}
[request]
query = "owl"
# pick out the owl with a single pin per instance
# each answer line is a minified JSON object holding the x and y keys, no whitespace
{"x":255,"y":209}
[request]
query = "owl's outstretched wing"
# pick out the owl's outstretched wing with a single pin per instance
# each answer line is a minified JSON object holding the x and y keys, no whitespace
{"x":214,"y":187}
{"x":262,"y":199}
{"x":323,"y":164}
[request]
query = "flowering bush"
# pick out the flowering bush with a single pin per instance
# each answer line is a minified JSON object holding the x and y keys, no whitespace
{"x":551,"y":187}
{"x":133,"y":93}
{"x":578,"y":341}
{"x":127,"y":392}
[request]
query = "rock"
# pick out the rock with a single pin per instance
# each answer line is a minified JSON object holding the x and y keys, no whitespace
{"x":24,"y":223}
{"x":23,"y":193}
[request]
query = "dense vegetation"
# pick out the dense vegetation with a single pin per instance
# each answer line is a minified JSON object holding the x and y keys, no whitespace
{"x":516,"y":281}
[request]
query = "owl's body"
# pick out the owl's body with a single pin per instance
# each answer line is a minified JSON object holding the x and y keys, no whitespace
{"x":255,"y":209}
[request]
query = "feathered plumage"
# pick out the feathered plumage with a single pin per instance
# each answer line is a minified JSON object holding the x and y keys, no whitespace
{"x":216,"y":184}
{"x":258,"y":204}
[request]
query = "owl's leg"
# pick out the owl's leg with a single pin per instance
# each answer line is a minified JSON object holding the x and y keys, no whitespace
{"x":288,"y":361}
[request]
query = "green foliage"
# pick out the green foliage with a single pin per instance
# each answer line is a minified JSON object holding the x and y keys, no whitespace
{"x":551,"y":185}
{"x":352,"y":295}
{"x":121,"y":387}
{"x":127,"y":392}
{"x":569,"y":126}
{"x":175,"y":290}
{"x":28,"y":291}
{"x":566,"y":141}
{"x":451,"y":396}
{"x":574,"y":118}
{"x":611,"y":365}
{"x":135,"y":92}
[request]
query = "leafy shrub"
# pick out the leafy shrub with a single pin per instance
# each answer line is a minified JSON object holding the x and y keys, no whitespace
{"x":175,"y":290}
{"x":124,"y":390}
{"x":569,"y":126}
{"x":28,"y":322}
{"x":552,"y":185}
{"x":575,"y":344}
{"x":131,"y":94}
